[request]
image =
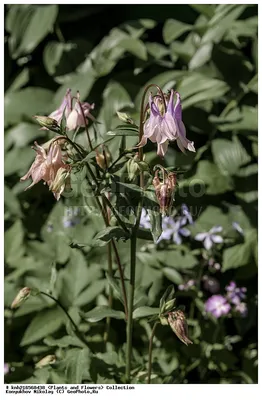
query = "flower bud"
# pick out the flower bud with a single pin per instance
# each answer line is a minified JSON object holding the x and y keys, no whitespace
{"x":61,"y":181}
{"x":47,"y":122}
{"x":124,"y":117}
{"x":165,"y":191}
{"x":178,"y":324}
{"x":21,"y":297}
{"x":50,"y":359}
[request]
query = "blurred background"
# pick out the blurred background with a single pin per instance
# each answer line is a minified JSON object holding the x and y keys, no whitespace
{"x":110,"y":53}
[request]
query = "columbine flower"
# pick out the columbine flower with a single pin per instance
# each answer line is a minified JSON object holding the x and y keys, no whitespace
{"x":238,"y":228}
{"x":187,"y":217}
{"x":65,"y":107}
{"x":162,"y":127}
{"x":46,"y":165}
{"x":145,"y":220}
{"x":241,"y":308}
{"x":173,"y":229}
{"x":209,"y":238}
{"x":76,"y":119}
{"x":235,"y":294}
{"x":217,"y":305}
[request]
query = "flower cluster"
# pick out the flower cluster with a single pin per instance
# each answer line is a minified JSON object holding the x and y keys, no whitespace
{"x":187,"y":286}
{"x":219,"y":305}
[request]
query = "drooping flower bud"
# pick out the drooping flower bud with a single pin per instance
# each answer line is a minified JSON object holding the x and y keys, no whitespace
{"x":165,"y":190}
{"x":135,"y":166}
{"x":178,"y":324}
{"x":124,"y":117}
{"x":50,"y":359}
{"x":47,"y":122}
{"x":21,"y":297}
{"x":61,"y":181}
{"x":103,"y":158}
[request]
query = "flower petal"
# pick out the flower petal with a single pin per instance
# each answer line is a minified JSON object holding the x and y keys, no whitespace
{"x":208,"y":243}
{"x":162,"y":148}
{"x":217,"y":239}
{"x":201,"y":236}
{"x":216,"y":229}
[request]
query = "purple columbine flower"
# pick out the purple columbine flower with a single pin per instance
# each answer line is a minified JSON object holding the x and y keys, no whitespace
{"x":241,"y":308}
{"x":187,"y":217}
{"x":235,"y":294}
{"x":209,"y":238}
{"x":164,"y":126}
{"x":173,"y":229}
{"x":145,"y":220}
{"x":238,"y":228}
{"x":217,"y":305}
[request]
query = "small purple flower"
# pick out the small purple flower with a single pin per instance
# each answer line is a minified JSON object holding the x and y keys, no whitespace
{"x":187,"y":217}
{"x":145,"y":220}
{"x":241,"y":308}
{"x":164,"y":126}
{"x":217,"y":305}
{"x":209,"y":238}
{"x":173,"y":229}
{"x":235,"y":294}
{"x":6,"y":368}
{"x":238,"y":228}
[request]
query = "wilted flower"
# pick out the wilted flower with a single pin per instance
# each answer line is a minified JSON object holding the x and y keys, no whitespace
{"x":241,"y":308}
{"x":178,"y":324}
{"x":164,"y":126}
{"x":103,"y":158}
{"x":50,"y":359}
{"x":235,"y":294}
{"x":173,"y":229}
{"x":217,"y":305}
{"x":165,"y":190}
{"x":46,"y":165}
{"x":145,"y":220}
{"x":209,"y":238}
{"x":21,"y":297}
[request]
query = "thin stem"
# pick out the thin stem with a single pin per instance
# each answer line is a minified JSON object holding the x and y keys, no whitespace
{"x":77,"y":332}
{"x":86,"y":128}
{"x":120,"y":268}
{"x":150,"y":347}
{"x":129,"y":328}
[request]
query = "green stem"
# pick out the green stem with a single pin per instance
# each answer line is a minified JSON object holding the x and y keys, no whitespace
{"x":129,"y":327}
{"x":110,"y":295}
{"x":77,"y":332}
{"x":150,"y":347}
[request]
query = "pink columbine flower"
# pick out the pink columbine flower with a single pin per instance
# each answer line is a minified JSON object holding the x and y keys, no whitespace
{"x":73,"y":115}
{"x":162,"y":127}
{"x":46,"y":165}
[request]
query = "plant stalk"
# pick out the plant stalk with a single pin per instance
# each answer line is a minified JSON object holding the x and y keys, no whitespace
{"x":150,"y":352}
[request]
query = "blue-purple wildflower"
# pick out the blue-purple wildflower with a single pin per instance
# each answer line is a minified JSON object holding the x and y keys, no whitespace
{"x":235,"y":294}
{"x":210,"y":238}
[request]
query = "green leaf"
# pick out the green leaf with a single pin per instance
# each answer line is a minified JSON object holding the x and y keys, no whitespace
{"x":201,"y":56}
{"x":154,"y":214}
{"x":26,"y":102}
{"x":22,"y":134}
{"x":76,"y":365}
{"x":14,"y":242}
{"x":145,"y":311}
{"x":109,"y":233}
{"x":173,"y":29}
{"x":178,"y":259}
{"x":229,"y":155}
{"x":173,"y":275}
{"x":124,"y":130}
{"x":45,"y":323}
{"x":113,"y":282}
{"x":90,"y":293}
{"x":135,"y":47}
{"x":101,"y":312}
{"x":28,"y":25}
{"x":240,"y":254}
{"x":63,"y":342}
{"x":11,"y":202}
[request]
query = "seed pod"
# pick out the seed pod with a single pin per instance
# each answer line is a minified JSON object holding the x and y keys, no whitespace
{"x":47,"y":122}
{"x":103,"y":158}
{"x":178,"y":324}
{"x":165,"y":190}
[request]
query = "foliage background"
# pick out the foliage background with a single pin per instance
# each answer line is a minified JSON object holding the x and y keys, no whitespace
{"x":110,"y":52}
